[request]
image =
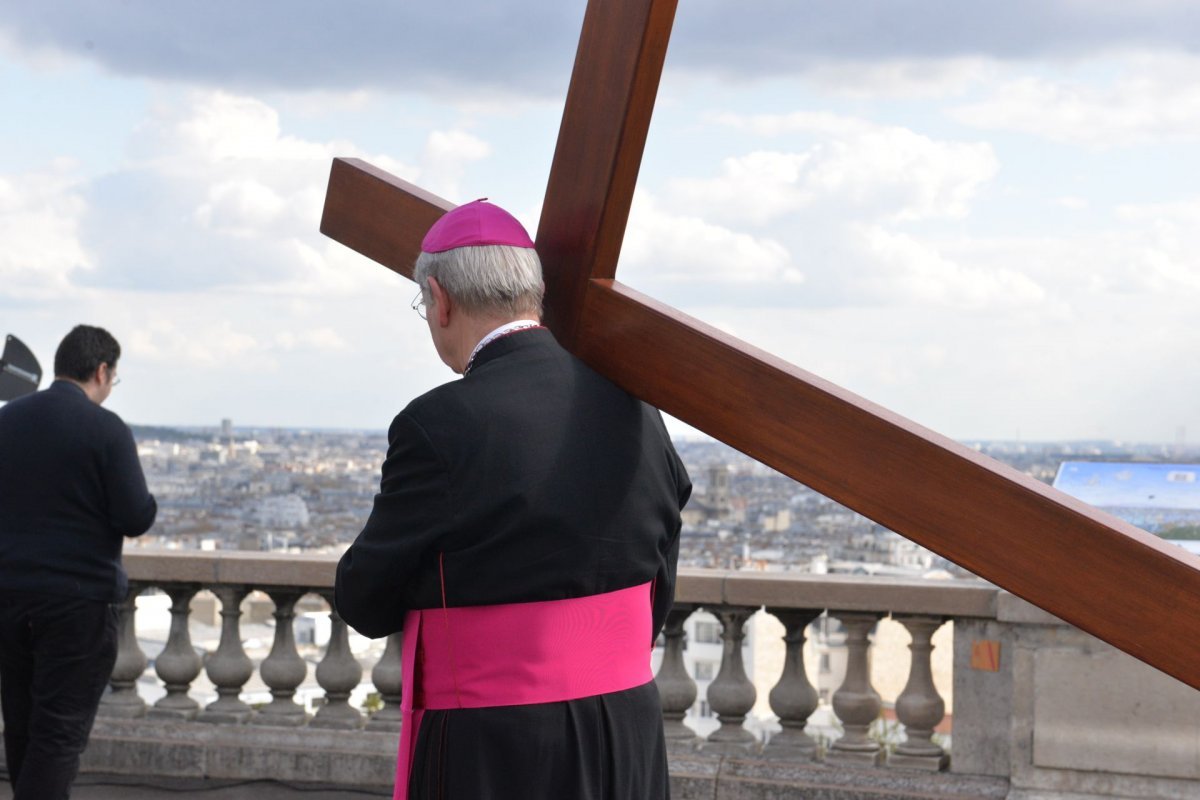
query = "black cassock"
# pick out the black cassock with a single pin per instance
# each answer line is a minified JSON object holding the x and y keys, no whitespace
{"x":531,"y":478}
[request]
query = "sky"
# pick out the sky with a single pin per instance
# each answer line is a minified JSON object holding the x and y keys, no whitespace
{"x":982,"y":216}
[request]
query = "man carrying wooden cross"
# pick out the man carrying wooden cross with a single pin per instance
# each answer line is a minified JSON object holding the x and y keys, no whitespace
{"x":524,"y":538}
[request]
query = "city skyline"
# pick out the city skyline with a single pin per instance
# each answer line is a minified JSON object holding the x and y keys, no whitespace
{"x":981,"y":219}
{"x":235,"y":488}
{"x":1101,"y":448}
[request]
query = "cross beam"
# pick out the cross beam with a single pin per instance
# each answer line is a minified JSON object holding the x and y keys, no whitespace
{"x":1093,"y":570}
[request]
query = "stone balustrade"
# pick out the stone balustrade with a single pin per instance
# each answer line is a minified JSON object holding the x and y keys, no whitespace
{"x":796,"y":600}
{"x":231,"y":577}
{"x":1017,"y":714}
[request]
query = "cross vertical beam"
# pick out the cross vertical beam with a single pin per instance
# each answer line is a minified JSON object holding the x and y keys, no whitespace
{"x":599,"y":151}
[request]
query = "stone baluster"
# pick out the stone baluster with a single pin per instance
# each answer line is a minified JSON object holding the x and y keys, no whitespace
{"x":731,"y":695}
{"x":124,"y":700}
{"x":675,"y":686}
{"x":793,"y":699}
{"x":283,"y":669}
{"x":178,"y":664}
{"x":338,"y":673}
{"x":856,"y":704}
{"x":919,"y":707}
{"x":229,"y":667}
{"x":388,"y":676}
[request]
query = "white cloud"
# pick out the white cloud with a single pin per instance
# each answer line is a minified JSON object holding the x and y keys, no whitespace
{"x":445,"y":159}
{"x":675,"y":247}
{"x":831,"y":210}
{"x":215,"y":193}
{"x":1164,"y":256}
{"x":912,"y":78}
{"x":821,"y":122}
{"x":203,"y":343}
{"x":39,"y":221}
{"x":756,"y":188}
{"x":1072,"y":202}
{"x":322,"y":340}
{"x":1155,"y":98}
{"x":1141,"y":255}
{"x":455,"y":146}
{"x":263,"y":358}
{"x":1110,"y":371}
{"x":854,"y":168}
{"x":904,"y":269}
{"x":222,"y":127}
{"x":240,"y":207}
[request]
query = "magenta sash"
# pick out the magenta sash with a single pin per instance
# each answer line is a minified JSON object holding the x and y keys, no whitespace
{"x":519,"y":654}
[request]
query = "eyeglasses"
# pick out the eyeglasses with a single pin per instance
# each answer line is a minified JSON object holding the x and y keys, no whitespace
{"x":418,"y":304}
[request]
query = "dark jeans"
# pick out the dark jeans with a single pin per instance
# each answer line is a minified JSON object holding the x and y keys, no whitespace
{"x":56,"y":655}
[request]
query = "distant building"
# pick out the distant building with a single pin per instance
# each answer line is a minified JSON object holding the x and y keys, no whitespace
{"x":716,"y":501}
{"x":281,"y":511}
{"x":227,"y":436}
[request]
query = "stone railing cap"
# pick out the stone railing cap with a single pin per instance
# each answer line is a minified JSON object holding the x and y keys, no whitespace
{"x":256,"y":569}
{"x":948,"y":598}
{"x":1010,"y":608}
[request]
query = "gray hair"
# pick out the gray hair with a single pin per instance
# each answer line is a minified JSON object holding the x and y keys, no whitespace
{"x":486,"y":279}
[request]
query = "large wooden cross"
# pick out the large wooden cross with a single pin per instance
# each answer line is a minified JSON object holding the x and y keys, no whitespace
{"x":1091,"y":569}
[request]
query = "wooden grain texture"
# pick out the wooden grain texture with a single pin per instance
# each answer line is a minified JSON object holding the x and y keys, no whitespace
{"x":1107,"y":577}
{"x":378,"y":214}
{"x":600,"y":143}
{"x":1093,"y":570}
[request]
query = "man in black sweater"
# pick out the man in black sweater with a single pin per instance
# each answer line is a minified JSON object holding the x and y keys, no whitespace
{"x":71,"y":489}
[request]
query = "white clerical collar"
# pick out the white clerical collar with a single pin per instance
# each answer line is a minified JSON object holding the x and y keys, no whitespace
{"x":503,"y":330}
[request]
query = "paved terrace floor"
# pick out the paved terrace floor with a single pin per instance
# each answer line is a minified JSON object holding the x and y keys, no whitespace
{"x":99,"y":787}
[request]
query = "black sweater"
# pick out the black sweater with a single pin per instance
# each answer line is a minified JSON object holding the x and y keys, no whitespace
{"x":71,"y":487}
{"x":532,"y":478}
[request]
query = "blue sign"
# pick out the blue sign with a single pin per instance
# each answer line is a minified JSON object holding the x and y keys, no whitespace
{"x":1151,"y":496}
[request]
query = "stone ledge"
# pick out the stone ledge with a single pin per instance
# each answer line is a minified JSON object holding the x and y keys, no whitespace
{"x":957,"y":598}
{"x":261,"y":570}
{"x":359,"y":759}
{"x":728,"y":778}
{"x":1010,"y":608}
{"x":197,"y":750}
